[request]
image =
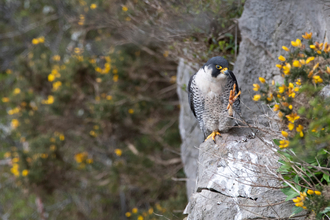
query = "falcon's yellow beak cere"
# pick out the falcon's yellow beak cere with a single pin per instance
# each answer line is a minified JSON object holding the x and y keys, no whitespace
{"x":223,"y":70}
{"x":214,"y":97}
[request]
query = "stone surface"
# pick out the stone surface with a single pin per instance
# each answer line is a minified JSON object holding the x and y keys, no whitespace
{"x":265,"y":27}
{"x":237,"y":178}
{"x":191,"y":135}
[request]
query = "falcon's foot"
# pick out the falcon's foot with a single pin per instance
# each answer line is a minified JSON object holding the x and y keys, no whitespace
{"x":212,"y":135}
{"x":232,"y":99}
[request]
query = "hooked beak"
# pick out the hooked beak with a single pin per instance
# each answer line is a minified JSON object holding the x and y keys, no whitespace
{"x":225,"y":71}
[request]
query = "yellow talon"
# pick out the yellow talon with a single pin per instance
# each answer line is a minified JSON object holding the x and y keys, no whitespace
{"x":213,"y":134}
{"x":232,"y":99}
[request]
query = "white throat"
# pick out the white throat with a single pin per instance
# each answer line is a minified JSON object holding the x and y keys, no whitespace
{"x":210,"y":85}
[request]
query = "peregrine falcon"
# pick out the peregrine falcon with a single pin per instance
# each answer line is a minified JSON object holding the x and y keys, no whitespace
{"x":213,"y":93}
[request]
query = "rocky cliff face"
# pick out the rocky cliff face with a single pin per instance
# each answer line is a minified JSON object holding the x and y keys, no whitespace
{"x":189,"y":130}
{"x":236,"y":177}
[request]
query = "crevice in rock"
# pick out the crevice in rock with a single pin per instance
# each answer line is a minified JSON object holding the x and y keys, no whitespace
{"x":199,"y":189}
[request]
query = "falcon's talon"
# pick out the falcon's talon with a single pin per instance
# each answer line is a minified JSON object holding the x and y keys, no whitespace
{"x":232,"y":96}
{"x":213,"y":134}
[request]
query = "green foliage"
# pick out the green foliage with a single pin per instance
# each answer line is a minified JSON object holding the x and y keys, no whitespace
{"x":89,"y":108}
{"x":304,"y":115}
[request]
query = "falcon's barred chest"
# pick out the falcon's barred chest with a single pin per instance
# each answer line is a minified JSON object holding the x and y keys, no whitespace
{"x":208,"y":93}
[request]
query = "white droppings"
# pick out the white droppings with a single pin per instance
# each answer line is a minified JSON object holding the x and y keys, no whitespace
{"x":238,"y":216}
{"x":236,"y":168}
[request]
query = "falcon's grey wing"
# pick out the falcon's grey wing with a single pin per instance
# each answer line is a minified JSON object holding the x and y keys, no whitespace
{"x":196,"y":101}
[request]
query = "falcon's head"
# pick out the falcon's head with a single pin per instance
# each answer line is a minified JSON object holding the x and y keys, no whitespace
{"x":217,"y":67}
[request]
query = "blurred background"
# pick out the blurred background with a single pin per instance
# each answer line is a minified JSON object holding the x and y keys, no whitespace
{"x":89,"y":109}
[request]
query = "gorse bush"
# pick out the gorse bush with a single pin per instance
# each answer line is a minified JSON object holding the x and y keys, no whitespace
{"x":63,"y":111}
{"x":89,"y":109}
{"x":302,"y":106}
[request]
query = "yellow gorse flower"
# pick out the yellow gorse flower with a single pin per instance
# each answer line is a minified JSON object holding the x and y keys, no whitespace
{"x":270,"y":97}
{"x":49,"y":100}
{"x":41,"y":39}
{"x":303,"y":62}
{"x":303,"y":195}
{"x":287,"y":68}
{"x":38,"y":40}
{"x":119,"y":152}
{"x":262,"y":80}
{"x":293,"y":117}
{"x":296,"y":43}
{"x":291,"y":126}
{"x":317,"y":193}
{"x":92,"y":133}
{"x":25,"y":172}
{"x":276,"y":107}
{"x":317,"y":79}
{"x":93,"y":6}
{"x":17,"y":91}
{"x":296,"y":200}
{"x":296,"y":63}
{"x":256,"y":97}
{"x":14,"y":111}
{"x":81,"y":157}
{"x":256,"y":87}
{"x":284,"y":143}
{"x":309,"y":59}
{"x":328,"y":70}
{"x":285,"y":48}
{"x":300,"y":130}
{"x":280,"y":114}
{"x":35,"y":41}
{"x":310,"y":74}
{"x":281,"y":89}
{"x":279,"y":66}
{"x":307,"y":35}
{"x":281,"y":58}
{"x":291,"y":90}
{"x":5,"y":99}
{"x":56,"y":85}
{"x":56,"y":58}
{"x":124,"y":8}
{"x":310,"y":192}
{"x":14,"y":123}
{"x":285,"y":134}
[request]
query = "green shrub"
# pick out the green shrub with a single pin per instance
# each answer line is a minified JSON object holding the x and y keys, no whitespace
{"x":304,"y":115}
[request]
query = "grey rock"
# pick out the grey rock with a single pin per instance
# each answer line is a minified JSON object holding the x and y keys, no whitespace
{"x":237,"y":178}
{"x":325,"y":92}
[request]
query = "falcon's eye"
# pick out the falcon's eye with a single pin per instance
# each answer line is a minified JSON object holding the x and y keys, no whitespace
{"x":218,"y":67}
